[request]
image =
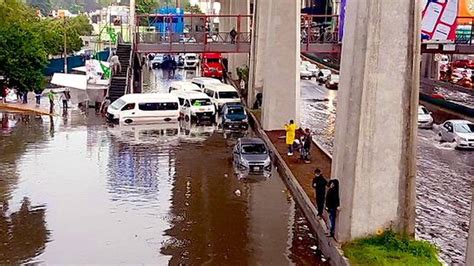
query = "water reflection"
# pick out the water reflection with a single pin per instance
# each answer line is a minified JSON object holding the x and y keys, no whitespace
{"x":23,"y":233}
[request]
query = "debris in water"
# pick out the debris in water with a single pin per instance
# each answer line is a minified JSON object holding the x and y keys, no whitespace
{"x":237,"y":192}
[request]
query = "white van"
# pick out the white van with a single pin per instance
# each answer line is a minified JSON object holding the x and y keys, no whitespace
{"x":132,"y":109}
{"x":204,"y":81}
{"x":195,"y":105}
{"x":221,"y":94}
{"x":191,"y":60}
{"x":184,"y":86}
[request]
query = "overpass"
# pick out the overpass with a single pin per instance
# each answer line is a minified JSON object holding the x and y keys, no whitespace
{"x":199,"y":38}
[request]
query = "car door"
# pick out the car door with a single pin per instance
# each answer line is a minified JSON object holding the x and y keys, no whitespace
{"x":446,"y":131}
{"x":127,"y":113}
{"x":450,"y":132}
{"x":237,"y":153}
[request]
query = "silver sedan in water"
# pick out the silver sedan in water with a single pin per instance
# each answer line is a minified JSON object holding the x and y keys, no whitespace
{"x":252,"y":155}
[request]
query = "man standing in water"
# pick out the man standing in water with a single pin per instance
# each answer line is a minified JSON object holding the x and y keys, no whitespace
{"x":319,"y":185}
{"x":51,"y":101}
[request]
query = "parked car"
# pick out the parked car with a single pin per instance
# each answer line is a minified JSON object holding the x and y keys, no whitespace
{"x":314,"y":69}
{"x":234,"y":116}
{"x":463,"y":63}
{"x":304,"y":73}
{"x":191,"y":60}
{"x":252,"y":154}
{"x":332,"y":82}
{"x":459,"y":131}
{"x":323,"y":75}
{"x":181,"y":85}
{"x":157,"y":61}
{"x":425,"y":120}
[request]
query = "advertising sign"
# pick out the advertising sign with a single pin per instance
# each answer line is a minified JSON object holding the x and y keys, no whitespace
{"x":466,"y":9}
{"x":342,"y":17}
{"x":439,"y":20}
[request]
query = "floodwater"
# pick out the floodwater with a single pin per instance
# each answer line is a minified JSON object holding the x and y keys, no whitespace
{"x":74,"y":190}
{"x":444,"y":177}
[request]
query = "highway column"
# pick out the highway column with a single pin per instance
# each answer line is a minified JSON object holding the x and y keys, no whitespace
{"x":281,"y":91}
{"x":376,"y":124}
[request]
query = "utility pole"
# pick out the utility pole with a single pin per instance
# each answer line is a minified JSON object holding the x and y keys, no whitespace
{"x":63,"y":16}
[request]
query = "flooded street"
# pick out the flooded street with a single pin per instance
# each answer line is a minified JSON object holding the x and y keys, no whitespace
{"x":74,"y":190}
{"x":444,"y":178}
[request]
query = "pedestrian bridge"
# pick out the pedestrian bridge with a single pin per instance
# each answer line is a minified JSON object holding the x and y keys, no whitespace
{"x":195,"y":34}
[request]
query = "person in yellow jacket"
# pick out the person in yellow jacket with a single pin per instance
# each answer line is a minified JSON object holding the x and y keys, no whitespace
{"x":290,"y":136}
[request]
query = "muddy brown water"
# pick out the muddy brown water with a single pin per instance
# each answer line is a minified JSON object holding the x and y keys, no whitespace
{"x":77,"y":191}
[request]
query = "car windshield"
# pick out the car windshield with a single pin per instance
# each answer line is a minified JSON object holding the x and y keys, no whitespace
{"x":213,"y":60}
{"x":200,"y":102}
{"x":118,"y":104}
{"x":190,"y":57}
{"x":422,"y":111}
{"x":236,"y":110}
{"x":254,"y":149}
{"x":464,"y":128}
{"x":228,"y":95}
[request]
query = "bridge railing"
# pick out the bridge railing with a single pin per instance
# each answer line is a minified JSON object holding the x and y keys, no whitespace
{"x":197,"y":37}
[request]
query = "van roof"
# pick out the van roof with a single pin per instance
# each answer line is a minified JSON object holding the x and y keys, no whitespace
{"x":206,"y":80}
{"x":183,"y":83}
{"x":221,"y":87}
{"x":191,"y":94}
{"x":148,"y":96}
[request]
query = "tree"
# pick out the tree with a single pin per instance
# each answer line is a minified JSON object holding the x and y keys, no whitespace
{"x":43,"y":5}
{"x":23,"y":54}
{"x":193,"y":9}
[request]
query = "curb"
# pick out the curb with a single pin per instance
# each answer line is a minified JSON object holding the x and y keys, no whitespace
{"x":328,"y":246}
{"x":22,"y":109}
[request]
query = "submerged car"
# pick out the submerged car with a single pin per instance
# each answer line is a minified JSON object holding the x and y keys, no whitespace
{"x":425,"y":120}
{"x":332,"y":82}
{"x":459,"y":131}
{"x":234,"y":116}
{"x":304,"y":73}
{"x":252,"y":155}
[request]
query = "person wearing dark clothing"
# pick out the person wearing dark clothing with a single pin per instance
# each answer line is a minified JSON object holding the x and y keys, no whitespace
{"x":333,"y":203}
{"x":319,"y":184}
{"x":233,"y":35}
{"x":308,"y":140}
{"x":38,"y":97}
{"x":4,"y":93}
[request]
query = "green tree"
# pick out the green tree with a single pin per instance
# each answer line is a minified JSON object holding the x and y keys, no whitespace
{"x":43,"y":5}
{"x":23,"y":55}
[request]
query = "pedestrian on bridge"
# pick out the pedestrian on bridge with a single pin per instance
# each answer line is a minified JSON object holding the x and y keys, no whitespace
{"x":332,"y":204}
{"x":319,"y":185}
{"x":290,"y":136}
{"x":233,"y":34}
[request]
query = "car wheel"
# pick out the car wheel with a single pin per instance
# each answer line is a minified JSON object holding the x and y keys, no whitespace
{"x":128,"y":121}
{"x":186,"y":118}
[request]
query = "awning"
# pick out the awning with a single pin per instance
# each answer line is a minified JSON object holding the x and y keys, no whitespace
{"x":70,"y":80}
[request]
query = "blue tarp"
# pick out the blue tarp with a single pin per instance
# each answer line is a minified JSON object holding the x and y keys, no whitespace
{"x":57,"y":65}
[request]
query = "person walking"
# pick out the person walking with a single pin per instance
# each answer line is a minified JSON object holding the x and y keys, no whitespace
{"x":233,"y":35}
{"x":38,"y":97}
{"x":51,"y":101}
{"x":319,"y":185}
{"x":290,"y":136}
{"x":308,"y":140}
{"x":332,"y":204}
{"x":4,"y":93}
{"x":115,"y":63}
{"x":64,"y":99}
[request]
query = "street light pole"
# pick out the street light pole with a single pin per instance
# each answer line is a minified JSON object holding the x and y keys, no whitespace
{"x":65,"y":47}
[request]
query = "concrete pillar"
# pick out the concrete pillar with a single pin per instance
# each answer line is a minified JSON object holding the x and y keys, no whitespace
{"x":281,"y":98}
{"x":470,"y":240}
{"x":376,"y":121}
{"x":257,"y":56}
{"x":429,"y":66}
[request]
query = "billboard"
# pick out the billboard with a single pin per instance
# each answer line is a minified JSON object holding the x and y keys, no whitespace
{"x":466,"y":9}
{"x":439,"y":20}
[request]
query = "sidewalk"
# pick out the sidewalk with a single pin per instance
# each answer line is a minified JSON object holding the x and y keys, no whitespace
{"x":30,"y":107}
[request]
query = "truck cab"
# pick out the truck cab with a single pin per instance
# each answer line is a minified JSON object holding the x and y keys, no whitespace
{"x":212,"y":65}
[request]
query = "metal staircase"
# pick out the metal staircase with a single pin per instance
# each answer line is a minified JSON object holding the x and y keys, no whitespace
{"x":119,"y":83}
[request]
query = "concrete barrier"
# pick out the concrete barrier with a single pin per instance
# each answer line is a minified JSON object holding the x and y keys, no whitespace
{"x":329,"y":247}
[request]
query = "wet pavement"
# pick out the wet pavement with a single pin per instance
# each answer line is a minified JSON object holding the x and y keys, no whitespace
{"x":75,"y":190}
{"x":444,"y":176}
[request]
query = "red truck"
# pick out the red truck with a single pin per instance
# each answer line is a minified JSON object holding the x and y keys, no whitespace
{"x":211,"y":65}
